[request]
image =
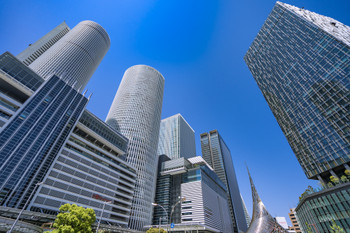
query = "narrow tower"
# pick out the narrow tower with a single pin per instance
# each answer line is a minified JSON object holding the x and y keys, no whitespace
{"x":136,"y":112}
{"x":36,"y":49}
{"x":216,"y":153}
{"x":76,"y":55}
{"x":176,"y":138}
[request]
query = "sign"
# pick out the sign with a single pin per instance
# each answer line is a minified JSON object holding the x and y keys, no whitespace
{"x":172,"y":225}
{"x":98,"y":197}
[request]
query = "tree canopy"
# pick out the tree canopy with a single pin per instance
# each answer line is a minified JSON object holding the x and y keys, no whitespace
{"x":156,"y":230}
{"x":74,"y":219}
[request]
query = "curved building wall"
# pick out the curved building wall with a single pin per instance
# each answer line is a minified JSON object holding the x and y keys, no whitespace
{"x":136,"y":112}
{"x":75,"y":56}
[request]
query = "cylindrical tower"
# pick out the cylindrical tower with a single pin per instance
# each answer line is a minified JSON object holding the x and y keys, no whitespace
{"x":75,"y":56}
{"x":136,"y":112}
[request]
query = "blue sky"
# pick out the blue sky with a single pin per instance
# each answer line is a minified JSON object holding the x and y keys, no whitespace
{"x":198,"y":46}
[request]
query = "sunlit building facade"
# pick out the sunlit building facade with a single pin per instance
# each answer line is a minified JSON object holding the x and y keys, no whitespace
{"x":300,"y":61}
{"x":216,"y":153}
{"x":176,"y":138}
{"x":136,"y":112}
{"x":76,"y":55}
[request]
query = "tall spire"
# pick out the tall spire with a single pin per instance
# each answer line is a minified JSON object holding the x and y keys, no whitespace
{"x":262,"y":221}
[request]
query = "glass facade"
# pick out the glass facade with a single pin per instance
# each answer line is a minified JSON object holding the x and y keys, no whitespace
{"x":316,"y":211}
{"x":216,"y":153}
{"x":176,"y":138}
{"x":32,"y":139}
{"x":301,"y":63}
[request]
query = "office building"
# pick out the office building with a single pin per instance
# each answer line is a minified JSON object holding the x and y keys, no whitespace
{"x":293,"y":219}
{"x":33,"y":136}
{"x":36,"y":49}
{"x":218,"y":156}
{"x":176,"y":138}
{"x":300,"y":61}
{"x":262,"y":221}
{"x":136,"y":112}
{"x":76,"y":55}
{"x":53,"y":151}
{"x":318,"y":209}
{"x":92,"y":165}
{"x":282,"y":222}
{"x":192,"y":196}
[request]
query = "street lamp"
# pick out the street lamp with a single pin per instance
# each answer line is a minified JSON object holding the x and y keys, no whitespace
{"x":155,"y":204}
{"x":20,"y":213}
{"x":103,"y":209}
{"x":173,"y":208}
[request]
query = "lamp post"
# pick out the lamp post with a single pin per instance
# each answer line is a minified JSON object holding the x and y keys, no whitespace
{"x":155,"y":204}
{"x":173,"y":208}
{"x":103,"y":209}
{"x":20,"y":213}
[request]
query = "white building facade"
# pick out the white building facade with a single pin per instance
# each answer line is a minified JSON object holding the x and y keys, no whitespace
{"x":136,"y":113}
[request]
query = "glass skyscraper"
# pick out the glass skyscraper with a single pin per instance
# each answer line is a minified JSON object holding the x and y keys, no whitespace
{"x":216,"y":153}
{"x":301,"y":63}
{"x":176,"y":138}
{"x":136,"y":112}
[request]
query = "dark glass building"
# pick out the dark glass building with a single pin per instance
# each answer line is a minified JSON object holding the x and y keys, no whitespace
{"x":301,"y":63}
{"x":31,"y":140}
{"x":216,"y":153}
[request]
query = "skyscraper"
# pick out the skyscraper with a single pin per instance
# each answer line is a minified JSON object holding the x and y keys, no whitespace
{"x":136,"y":112}
{"x":216,"y":153}
{"x":36,"y":49}
{"x":300,"y":61}
{"x":176,"y":138}
{"x":76,"y":55}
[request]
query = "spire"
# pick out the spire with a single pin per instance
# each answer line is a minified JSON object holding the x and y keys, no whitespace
{"x":262,"y":221}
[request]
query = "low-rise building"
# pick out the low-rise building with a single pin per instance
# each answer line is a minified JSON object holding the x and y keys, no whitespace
{"x":197,"y":198}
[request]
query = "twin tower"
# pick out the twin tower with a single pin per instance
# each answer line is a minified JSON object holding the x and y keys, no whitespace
{"x":74,"y":55}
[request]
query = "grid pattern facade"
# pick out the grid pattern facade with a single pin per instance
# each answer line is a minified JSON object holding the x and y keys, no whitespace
{"x":303,"y":71}
{"x":319,"y":209}
{"x":12,"y":67}
{"x":176,"y":138}
{"x":89,"y":171}
{"x":136,"y":112}
{"x":206,"y":200}
{"x":216,"y":153}
{"x":39,"y":47}
{"x":32,"y":139}
{"x":76,"y":55}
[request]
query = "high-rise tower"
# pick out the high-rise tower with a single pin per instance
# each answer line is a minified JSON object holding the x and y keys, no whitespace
{"x":136,"y":112}
{"x":176,"y":138}
{"x":76,"y":55}
{"x":216,"y":153}
{"x":300,"y":61}
{"x":36,"y":49}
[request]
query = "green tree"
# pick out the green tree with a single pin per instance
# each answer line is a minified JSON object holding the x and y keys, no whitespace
{"x":335,"y":228}
{"x":308,"y":228}
{"x":347,"y":173}
{"x":344,"y":179}
{"x":334,"y":180}
{"x":155,"y":230}
{"x":74,"y":219}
